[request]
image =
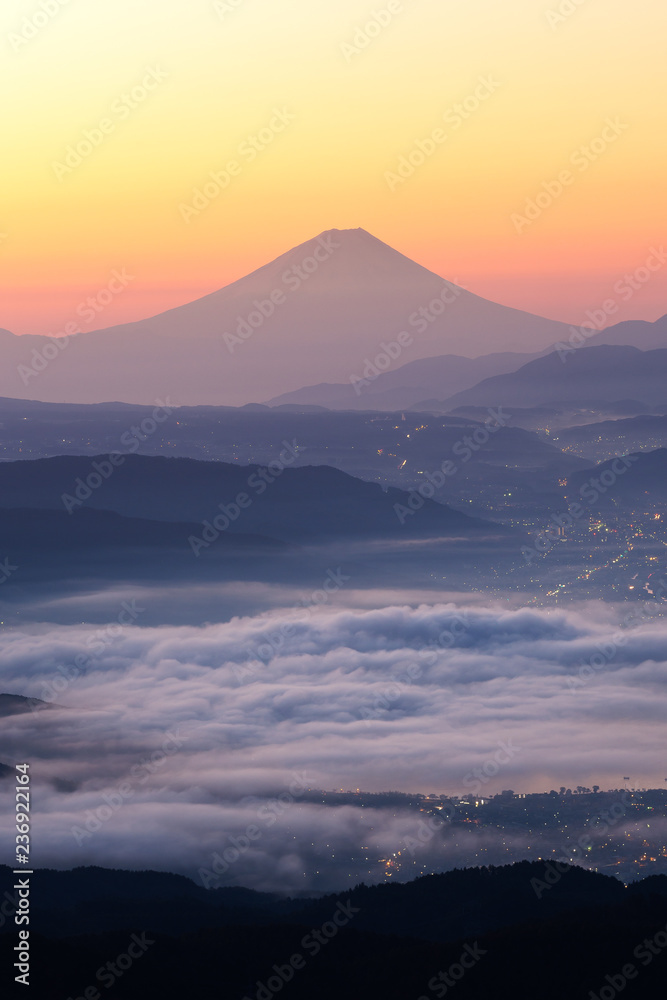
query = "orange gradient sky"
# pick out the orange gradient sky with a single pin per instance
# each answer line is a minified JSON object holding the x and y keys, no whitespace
{"x":359,"y":102}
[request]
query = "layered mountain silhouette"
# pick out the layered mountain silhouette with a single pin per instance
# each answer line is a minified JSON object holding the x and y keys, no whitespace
{"x":394,"y":448}
{"x":637,"y":333}
{"x":24,"y":531}
{"x":617,"y":436}
{"x":317,"y":312}
{"x":438,"y":907}
{"x":300,"y":505}
{"x":16,"y":704}
{"x":590,"y":373}
{"x":406,"y":386}
{"x":486,"y":931}
{"x":639,"y":483}
{"x":428,"y":381}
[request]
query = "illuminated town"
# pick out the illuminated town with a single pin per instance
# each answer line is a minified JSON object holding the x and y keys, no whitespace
{"x":620,"y":832}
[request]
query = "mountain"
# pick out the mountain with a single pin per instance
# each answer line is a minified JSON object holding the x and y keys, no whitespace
{"x":326,"y":531}
{"x":438,"y":907}
{"x":35,"y":529}
{"x":393,"y":448}
{"x":639,"y":483}
{"x":53,"y":552}
{"x":523,"y":932}
{"x":319,"y":311}
{"x":16,"y":704}
{"x":598,"y":373}
{"x":550,"y":418}
{"x":407,"y":385}
{"x":299,"y":505}
{"x":605,"y":439}
{"x":636,"y":333}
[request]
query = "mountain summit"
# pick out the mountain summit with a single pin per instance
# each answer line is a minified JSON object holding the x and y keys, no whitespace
{"x":317,"y":313}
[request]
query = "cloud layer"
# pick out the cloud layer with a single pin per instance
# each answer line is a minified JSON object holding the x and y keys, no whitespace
{"x":167,"y":741}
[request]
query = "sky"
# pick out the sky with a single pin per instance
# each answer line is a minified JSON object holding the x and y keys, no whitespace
{"x":120,"y":111}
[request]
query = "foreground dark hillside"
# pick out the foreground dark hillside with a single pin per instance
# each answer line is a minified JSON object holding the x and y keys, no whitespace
{"x":309,"y":504}
{"x":523,"y":931}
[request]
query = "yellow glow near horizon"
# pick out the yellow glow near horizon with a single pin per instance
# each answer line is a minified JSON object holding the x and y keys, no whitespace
{"x":229,"y":64}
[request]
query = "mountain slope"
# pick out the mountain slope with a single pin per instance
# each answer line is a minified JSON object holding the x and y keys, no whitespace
{"x":636,"y":333}
{"x":639,"y":485}
{"x":298,"y":505}
{"x":607,"y":438}
{"x":438,"y":907}
{"x":407,"y":385}
{"x":599,"y":373}
{"x":336,"y":299}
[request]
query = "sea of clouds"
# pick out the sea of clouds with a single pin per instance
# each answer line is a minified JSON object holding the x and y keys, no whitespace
{"x":165,"y":742}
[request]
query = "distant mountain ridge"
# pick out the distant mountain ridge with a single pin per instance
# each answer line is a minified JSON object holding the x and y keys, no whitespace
{"x":619,"y":436}
{"x":606,"y":372}
{"x":298,"y":505}
{"x":407,"y":385}
{"x":492,"y":932}
{"x":430,"y":379}
{"x":437,"y":907}
{"x":645,"y":484}
{"x":634,"y":333}
{"x":393,"y":449}
{"x":317,"y":312}
{"x":319,"y":315}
